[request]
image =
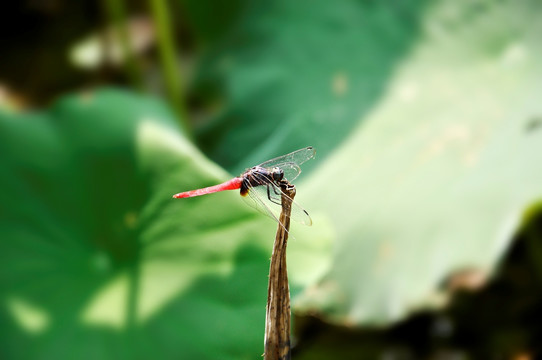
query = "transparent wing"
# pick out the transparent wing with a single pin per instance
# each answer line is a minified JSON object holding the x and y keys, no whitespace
{"x":255,"y":199}
{"x":300,"y":215}
{"x":297,"y":157}
{"x":267,"y":199}
{"x":291,"y":170}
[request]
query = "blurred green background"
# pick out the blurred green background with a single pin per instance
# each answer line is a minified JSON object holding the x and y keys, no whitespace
{"x":425,"y":192}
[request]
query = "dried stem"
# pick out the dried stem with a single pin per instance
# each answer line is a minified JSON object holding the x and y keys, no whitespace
{"x":277,"y":320}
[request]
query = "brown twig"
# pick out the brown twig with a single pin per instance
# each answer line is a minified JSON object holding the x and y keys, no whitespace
{"x":277,"y":320}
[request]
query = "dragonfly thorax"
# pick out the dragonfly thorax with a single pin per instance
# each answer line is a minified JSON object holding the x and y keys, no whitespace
{"x":260,"y":176}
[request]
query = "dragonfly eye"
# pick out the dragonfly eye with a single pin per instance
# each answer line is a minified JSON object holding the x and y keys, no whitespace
{"x":278,"y":174}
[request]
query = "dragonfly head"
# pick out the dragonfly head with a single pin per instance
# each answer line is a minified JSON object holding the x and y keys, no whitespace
{"x":277,"y":174}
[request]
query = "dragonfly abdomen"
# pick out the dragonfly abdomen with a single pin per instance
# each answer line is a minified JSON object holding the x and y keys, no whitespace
{"x":232,"y":184}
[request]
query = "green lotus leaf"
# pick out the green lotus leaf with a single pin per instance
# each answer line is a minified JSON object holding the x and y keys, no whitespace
{"x":96,"y":258}
{"x":426,"y":118}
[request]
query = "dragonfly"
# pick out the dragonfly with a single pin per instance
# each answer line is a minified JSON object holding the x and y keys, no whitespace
{"x":260,"y":185}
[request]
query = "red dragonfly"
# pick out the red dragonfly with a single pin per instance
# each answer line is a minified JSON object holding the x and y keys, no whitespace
{"x":262,"y":184}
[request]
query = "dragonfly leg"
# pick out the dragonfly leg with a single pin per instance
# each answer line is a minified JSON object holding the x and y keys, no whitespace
{"x":269,"y":195}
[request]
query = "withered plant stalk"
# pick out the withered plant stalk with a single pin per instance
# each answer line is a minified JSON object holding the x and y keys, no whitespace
{"x":277,"y":320}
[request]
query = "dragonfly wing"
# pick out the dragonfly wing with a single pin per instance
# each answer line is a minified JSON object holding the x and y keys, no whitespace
{"x":291,"y":170}
{"x":300,"y":215}
{"x":258,"y":199}
{"x":297,"y":157}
